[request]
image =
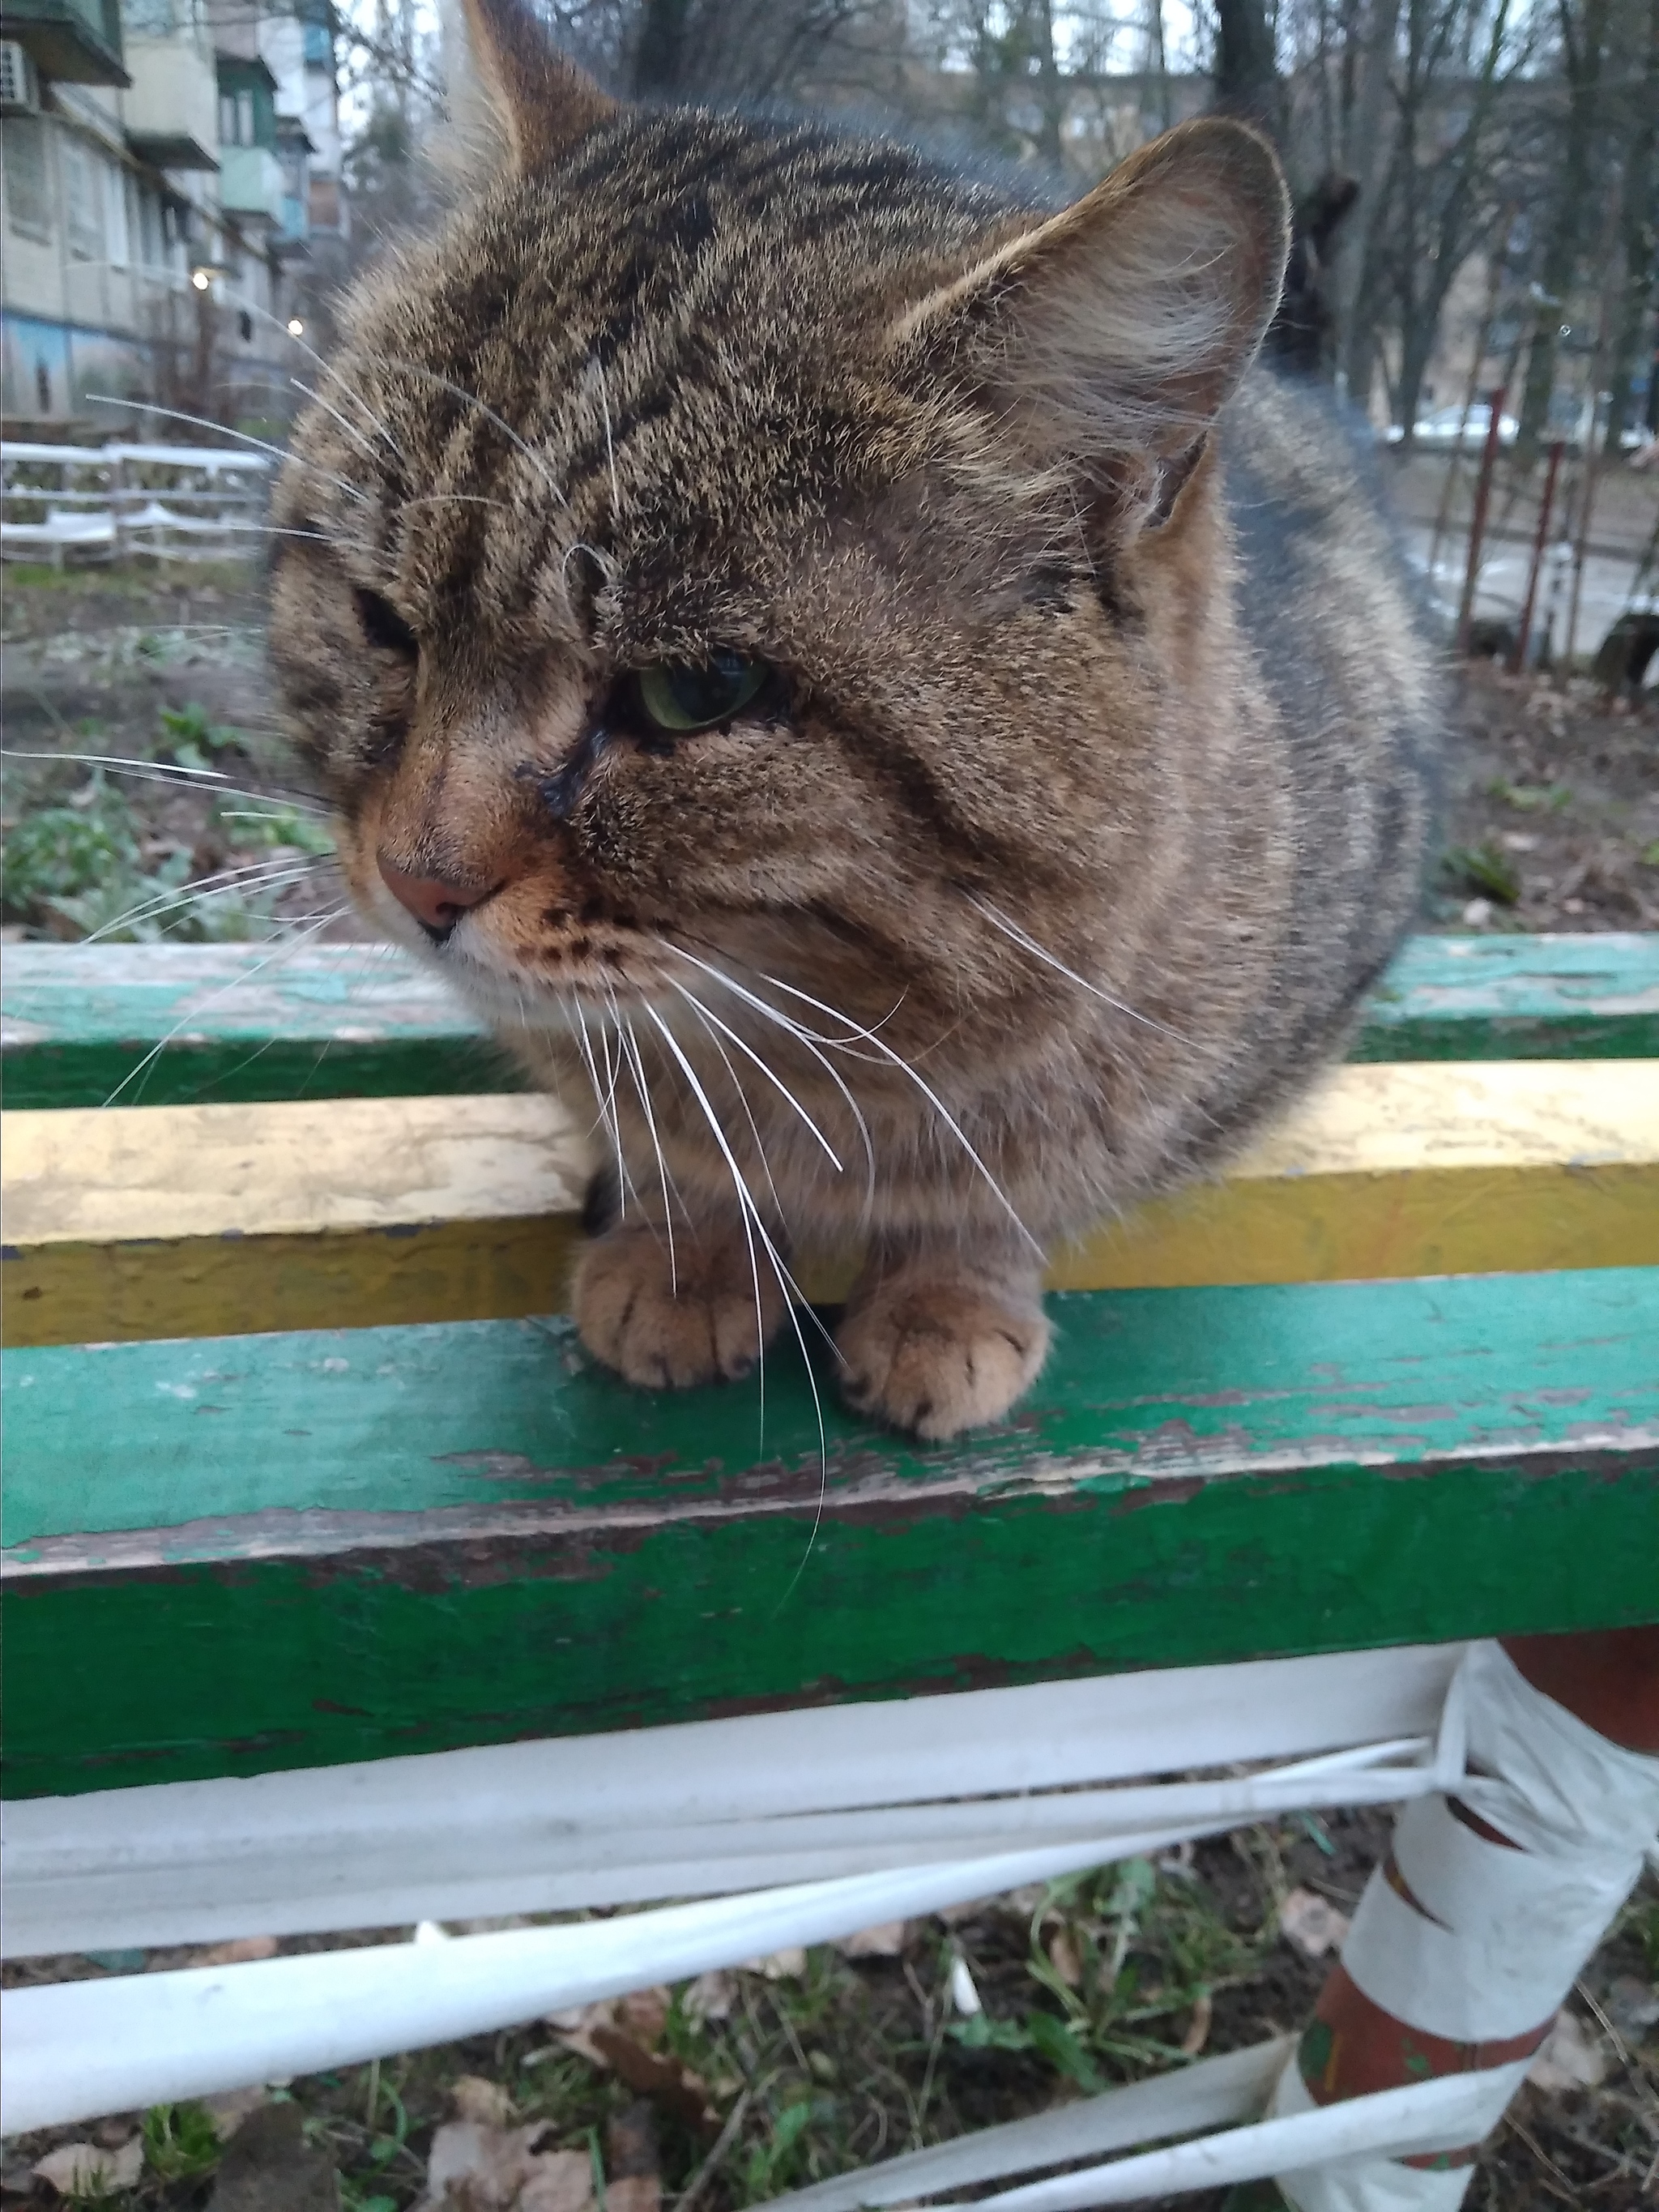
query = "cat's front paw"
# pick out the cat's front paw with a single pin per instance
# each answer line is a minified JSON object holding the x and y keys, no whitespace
{"x":939,"y":1356}
{"x":668,"y":1324}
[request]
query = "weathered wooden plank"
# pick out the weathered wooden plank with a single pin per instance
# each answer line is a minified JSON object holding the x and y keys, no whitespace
{"x":191,"y":1221}
{"x":165,"y":1025}
{"x":1516,"y":998}
{"x":244,"y":1554}
{"x":171,"y":1025}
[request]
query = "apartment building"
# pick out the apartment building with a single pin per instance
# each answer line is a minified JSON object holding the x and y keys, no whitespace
{"x":169,"y":168}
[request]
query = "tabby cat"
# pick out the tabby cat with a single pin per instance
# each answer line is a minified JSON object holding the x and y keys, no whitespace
{"x":864,"y":673}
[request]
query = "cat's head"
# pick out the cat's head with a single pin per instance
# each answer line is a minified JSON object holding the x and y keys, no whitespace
{"x":746,"y":538}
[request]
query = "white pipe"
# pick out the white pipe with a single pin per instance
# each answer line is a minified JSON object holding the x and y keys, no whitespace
{"x":643,"y":1814}
{"x":73,"y":2050}
{"x":1208,"y":2094}
{"x":1394,"y":2122}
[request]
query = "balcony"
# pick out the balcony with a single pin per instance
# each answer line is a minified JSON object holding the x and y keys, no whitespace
{"x":76,"y":41}
{"x":172,"y":111}
{"x":251,"y":182}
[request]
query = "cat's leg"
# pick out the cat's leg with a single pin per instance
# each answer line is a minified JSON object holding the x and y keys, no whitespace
{"x":939,"y":1338}
{"x":699,"y":1311}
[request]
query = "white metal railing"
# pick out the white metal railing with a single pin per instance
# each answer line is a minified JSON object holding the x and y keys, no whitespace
{"x":171,"y":502}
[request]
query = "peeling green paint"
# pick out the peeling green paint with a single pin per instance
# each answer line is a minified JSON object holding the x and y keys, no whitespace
{"x":234,"y":1555}
{"x":230,"y":1024}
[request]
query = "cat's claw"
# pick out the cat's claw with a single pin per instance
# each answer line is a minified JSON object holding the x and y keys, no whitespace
{"x":670,"y":1324}
{"x":938,"y":1357}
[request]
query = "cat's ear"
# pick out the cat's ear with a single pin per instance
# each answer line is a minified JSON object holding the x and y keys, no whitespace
{"x":1120,"y":327}
{"x":541,"y":103}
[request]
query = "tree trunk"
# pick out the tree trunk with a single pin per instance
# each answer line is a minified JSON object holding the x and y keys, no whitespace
{"x":1641,"y":241}
{"x":659,"y":56}
{"x":1246,"y":68}
{"x":1050,"y":91}
{"x":1366,"y":159}
{"x":1582,"y":57}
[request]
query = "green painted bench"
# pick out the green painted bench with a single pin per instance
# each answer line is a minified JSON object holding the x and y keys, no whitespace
{"x":272,"y":1553}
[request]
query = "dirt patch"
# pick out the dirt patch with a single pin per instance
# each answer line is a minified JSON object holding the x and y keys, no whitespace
{"x":1552,"y":815}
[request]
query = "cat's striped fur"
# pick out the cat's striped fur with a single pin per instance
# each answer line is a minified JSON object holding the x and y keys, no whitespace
{"x":1089,"y":792}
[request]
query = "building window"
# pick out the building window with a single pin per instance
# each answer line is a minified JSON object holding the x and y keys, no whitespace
{"x":28,"y":182}
{"x":236,"y":119}
{"x":148,"y":19}
{"x":83,"y":192}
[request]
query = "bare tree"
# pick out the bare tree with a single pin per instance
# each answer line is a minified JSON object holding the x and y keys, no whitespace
{"x":1582,"y":31}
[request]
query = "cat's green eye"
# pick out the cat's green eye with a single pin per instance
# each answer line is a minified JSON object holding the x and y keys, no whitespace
{"x":677,"y":695}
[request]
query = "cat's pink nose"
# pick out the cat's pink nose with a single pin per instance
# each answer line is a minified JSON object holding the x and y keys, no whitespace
{"x":435,"y":903}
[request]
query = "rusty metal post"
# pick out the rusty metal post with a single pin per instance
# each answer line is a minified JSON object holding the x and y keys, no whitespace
{"x":1478,"y":520}
{"x":1523,"y":635}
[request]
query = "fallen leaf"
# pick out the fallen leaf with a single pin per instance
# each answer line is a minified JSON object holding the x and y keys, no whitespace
{"x":84,"y":2169}
{"x":1064,"y":1957}
{"x":884,"y":1941}
{"x":486,"y":2102}
{"x":1312,"y":1923}
{"x":786,"y":1965}
{"x":473,"y":2166}
{"x":618,"y":2035}
{"x":1198,"y":2031}
{"x":666,"y":2080}
{"x":563,"y":2182}
{"x":711,"y":1997}
{"x":1568,"y":2058}
{"x":241,"y":1951}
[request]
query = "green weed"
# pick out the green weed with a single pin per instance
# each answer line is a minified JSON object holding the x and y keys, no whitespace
{"x":1531,"y":798}
{"x":1482,"y":868}
{"x":64,"y":853}
{"x":180,"y":2141}
{"x":78,"y":871}
{"x":189,"y":738}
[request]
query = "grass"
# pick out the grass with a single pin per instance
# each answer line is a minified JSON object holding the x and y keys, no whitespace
{"x":82,"y":860}
{"x":771,"y":2077}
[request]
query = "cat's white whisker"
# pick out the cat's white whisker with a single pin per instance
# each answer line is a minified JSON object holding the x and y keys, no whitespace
{"x":787,"y":1284}
{"x":927,"y":1092}
{"x":235,"y":982}
{"x":264,"y":444}
{"x":606,"y":1118}
{"x":629,"y":1047}
{"x":471,"y":400}
{"x":703,"y":1016}
{"x":707,"y":1015}
{"x":455,"y":499}
{"x":802,"y":1037}
{"x":1029,"y":944}
{"x":362,"y":443}
{"x":212,"y":779}
{"x":258,"y":876}
{"x":610,"y":442}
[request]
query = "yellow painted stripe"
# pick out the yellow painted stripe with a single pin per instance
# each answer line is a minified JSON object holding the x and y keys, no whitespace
{"x":185,"y":1221}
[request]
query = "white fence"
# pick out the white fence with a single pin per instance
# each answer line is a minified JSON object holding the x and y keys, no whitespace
{"x":105,"y":502}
